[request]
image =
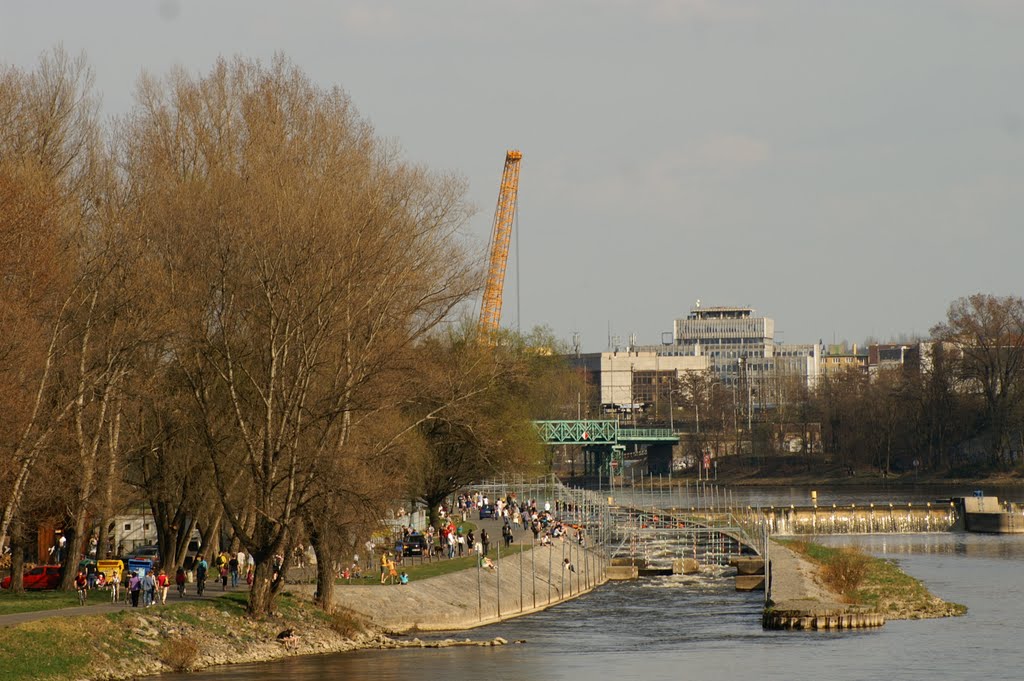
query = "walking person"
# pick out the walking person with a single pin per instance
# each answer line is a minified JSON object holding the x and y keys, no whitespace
{"x":224,"y":577}
{"x":115,"y":585}
{"x":485,"y":541}
{"x":201,"y":567}
{"x":148,"y":588}
{"x":162,"y":584}
{"x":134,"y":588}
{"x":233,"y":568}
{"x":179,"y":579}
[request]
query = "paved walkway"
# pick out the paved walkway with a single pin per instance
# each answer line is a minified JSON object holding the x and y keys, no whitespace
{"x":99,"y":603}
{"x":794,"y":586}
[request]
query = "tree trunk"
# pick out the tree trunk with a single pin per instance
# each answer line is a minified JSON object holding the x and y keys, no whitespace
{"x":261,"y":594}
{"x":76,"y":549}
{"x":324,"y":596}
{"x":433,"y":502}
{"x":211,"y":534}
{"x":18,"y":546}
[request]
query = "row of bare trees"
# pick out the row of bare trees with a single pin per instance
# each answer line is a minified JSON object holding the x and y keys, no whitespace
{"x":229,"y":305}
{"x":956,"y":405}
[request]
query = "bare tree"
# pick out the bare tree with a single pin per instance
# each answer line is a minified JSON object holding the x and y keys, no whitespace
{"x":988,"y":332}
{"x":48,"y":146}
{"x":303,"y":256}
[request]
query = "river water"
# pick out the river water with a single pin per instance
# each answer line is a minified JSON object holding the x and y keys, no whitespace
{"x":699,"y":627}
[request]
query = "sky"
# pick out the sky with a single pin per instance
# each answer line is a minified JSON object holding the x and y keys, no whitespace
{"x":845,"y":168}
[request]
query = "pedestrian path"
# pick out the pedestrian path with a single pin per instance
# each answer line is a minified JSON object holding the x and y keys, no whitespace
{"x":99,"y":604}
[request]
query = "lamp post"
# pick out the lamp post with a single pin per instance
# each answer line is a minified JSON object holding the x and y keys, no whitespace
{"x":696,"y":404}
{"x":671,"y":409}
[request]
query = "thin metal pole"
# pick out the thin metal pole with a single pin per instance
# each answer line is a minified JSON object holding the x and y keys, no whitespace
{"x":561,"y":573}
{"x":533,"y":570}
{"x":549,"y":575}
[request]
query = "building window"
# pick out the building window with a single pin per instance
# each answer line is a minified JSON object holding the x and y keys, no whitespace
{"x":127,"y":527}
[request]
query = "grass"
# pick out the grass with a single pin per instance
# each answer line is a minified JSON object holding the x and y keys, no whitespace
{"x":63,"y":648}
{"x":44,"y":652}
{"x":885,"y":578}
{"x":875,"y":583}
{"x":32,"y":601}
{"x":441,"y":566}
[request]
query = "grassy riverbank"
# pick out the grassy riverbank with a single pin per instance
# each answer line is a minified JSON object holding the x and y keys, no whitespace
{"x":136,"y":642}
{"x":197,"y":633}
{"x":876,"y":584}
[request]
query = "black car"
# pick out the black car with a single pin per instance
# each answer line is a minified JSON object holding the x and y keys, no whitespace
{"x":413,"y":545}
{"x":488,"y":511}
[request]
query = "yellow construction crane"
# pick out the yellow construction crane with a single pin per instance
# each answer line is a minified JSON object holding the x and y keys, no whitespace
{"x":501,"y":236}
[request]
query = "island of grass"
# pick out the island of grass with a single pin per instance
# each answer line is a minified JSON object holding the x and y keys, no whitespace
{"x":821,"y":587}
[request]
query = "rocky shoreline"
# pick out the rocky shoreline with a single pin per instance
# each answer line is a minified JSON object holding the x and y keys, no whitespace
{"x":162,"y":644}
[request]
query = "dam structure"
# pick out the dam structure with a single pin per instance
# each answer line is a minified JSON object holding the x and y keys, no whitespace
{"x":654,"y":523}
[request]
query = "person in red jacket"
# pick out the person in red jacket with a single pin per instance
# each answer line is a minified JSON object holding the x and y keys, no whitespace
{"x":162,"y":583}
{"x":179,"y":579}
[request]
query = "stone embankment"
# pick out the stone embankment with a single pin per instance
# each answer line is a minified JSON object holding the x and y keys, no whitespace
{"x":520,"y":584}
{"x":798,"y":601}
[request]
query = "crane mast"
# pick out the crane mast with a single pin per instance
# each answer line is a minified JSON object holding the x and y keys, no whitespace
{"x":501,"y":236}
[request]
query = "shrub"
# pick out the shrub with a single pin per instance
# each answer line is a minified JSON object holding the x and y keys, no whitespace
{"x":347,"y":623}
{"x":844,"y":571}
{"x":179,"y":653}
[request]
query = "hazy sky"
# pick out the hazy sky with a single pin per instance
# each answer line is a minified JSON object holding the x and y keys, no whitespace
{"x":845,"y":167}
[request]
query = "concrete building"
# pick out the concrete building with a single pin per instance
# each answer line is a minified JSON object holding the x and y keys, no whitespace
{"x":724,"y":332}
{"x":838,"y":359}
{"x":732,"y":344}
{"x":633,"y":378}
{"x":741,"y":347}
{"x":743,"y":352}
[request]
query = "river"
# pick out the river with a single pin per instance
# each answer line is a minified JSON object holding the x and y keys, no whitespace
{"x":699,"y":627}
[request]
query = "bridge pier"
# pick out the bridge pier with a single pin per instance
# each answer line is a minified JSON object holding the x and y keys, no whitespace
{"x":659,"y":459}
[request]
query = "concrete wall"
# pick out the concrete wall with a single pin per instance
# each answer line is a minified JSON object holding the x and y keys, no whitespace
{"x":522,"y":583}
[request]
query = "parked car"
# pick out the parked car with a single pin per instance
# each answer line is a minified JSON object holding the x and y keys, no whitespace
{"x":488,"y":511}
{"x":39,"y":577}
{"x":151,"y":553}
{"x":413,"y":545}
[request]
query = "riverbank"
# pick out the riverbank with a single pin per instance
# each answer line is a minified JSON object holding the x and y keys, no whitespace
{"x":127,"y":643}
{"x":187,"y":636}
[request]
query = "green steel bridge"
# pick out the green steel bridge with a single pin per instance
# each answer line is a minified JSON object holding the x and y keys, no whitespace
{"x":604,"y":442}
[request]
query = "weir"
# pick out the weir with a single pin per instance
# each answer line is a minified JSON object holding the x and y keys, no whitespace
{"x":653,"y":526}
{"x":853,"y":519}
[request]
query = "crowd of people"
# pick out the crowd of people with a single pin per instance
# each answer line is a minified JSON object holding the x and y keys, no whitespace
{"x":149,"y":587}
{"x":452,"y":539}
